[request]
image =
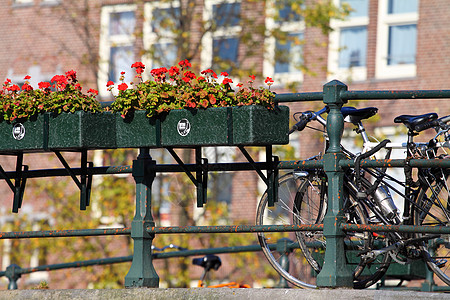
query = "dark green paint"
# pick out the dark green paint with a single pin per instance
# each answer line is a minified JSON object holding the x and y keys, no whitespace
{"x":137,"y":131}
{"x":82,"y":130}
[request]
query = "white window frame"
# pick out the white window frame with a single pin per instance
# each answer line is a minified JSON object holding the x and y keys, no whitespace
{"x":334,"y":71}
{"x":208,"y":38}
{"x":150,"y":37}
{"x":20,"y":3}
{"x":106,"y":42}
{"x":294,"y":27}
{"x":382,"y":69}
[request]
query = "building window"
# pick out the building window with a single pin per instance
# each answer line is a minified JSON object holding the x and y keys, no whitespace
{"x":220,"y":46}
{"x":162,"y":20}
{"x":283,"y":59}
{"x":397,"y":38}
{"x":117,"y":49}
{"x":348,"y":43}
{"x":19,"y":3}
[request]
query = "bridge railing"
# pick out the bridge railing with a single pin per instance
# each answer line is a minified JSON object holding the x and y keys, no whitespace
{"x":335,"y":272}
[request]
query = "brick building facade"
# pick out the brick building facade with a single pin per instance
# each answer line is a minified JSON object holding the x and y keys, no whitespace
{"x":42,"y":38}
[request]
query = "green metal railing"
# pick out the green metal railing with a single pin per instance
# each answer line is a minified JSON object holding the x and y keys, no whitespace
{"x":335,"y":272}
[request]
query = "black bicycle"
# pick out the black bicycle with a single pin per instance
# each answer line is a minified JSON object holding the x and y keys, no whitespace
{"x":367,"y":200}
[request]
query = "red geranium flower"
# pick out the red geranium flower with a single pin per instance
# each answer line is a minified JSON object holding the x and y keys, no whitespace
{"x":92,"y":91}
{"x":188,"y":75}
{"x":71,"y":75}
{"x":224,"y":74}
{"x":173,"y":71}
{"x":139,"y":67}
{"x":109,"y":83}
{"x":209,"y":71}
{"x":122,"y":87}
{"x":27,"y":77}
{"x":13,"y":88}
{"x":27,"y":87}
{"x":185,"y":64}
{"x":227,"y":81}
{"x":44,"y":85}
{"x":269,"y":81}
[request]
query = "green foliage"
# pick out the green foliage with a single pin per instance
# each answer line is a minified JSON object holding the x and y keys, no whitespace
{"x":177,"y":88}
{"x":177,"y":22}
{"x":26,"y":102}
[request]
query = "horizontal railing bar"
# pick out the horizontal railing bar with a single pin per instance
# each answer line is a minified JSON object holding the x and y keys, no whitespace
{"x":64,"y":233}
{"x":158,"y":255}
{"x":77,"y":264}
{"x":234,"y":228}
{"x":366,"y":95}
{"x":394,"y":94}
{"x":222,"y":250}
{"x":296,"y":97}
{"x":398,"y":163}
{"x":241,"y":166}
{"x":348,"y":163}
{"x":300,"y":164}
{"x":396,"y":228}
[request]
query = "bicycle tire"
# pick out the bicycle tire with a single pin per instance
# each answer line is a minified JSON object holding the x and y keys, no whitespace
{"x":432,"y":209}
{"x":302,"y":200}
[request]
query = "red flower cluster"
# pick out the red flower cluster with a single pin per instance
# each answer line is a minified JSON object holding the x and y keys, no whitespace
{"x":185,"y":64}
{"x":122,"y":87}
{"x":174,"y":71}
{"x":268,"y":81}
{"x":209,"y":72}
{"x":60,"y":81}
{"x":188,"y":76}
{"x":71,"y":75}
{"x":16,"y":103}
{"x":185,"y":90}
{"x":44,"y":85}
{"x":139,"y":67}
{"x":159,"y":74}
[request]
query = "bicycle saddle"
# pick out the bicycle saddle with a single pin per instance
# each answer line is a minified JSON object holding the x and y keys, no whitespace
{"x":208,"y":262}
{"x":411,"y":121}
{"x":355,"y":115}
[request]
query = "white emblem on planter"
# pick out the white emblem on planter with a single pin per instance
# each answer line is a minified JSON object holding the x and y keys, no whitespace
{"x":18,"y":131}
{"x":183,"y":127}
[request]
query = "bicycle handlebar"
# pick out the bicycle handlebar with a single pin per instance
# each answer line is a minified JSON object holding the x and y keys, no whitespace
{"x":307,"y":117}
{"x":442,"y":123}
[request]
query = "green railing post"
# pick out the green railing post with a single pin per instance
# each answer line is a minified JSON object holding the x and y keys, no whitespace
{"x":142,"y":273}
{"x":335,"y":271}
{"x":13,"y":274}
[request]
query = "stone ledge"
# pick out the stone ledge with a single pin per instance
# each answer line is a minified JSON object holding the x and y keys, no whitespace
{"x":223,"y":293}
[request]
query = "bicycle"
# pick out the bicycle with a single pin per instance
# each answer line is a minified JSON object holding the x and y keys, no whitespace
{"x":302,"y":200}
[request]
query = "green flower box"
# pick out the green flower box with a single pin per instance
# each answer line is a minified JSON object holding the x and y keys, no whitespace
{"x":226,"y":126}
{"x":255,"y":125}
{"x":137,"y":131}
{"x":82,"y":130}
{"x":197,"y":127}
{"x":20,"y":136}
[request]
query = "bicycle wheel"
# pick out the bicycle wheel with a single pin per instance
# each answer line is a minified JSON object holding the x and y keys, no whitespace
{"x":302,"y":200}
{"x":433,"y":209}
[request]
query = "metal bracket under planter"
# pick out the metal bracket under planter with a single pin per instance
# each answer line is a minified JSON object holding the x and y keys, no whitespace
{"x":201,"y":175}
{"x":85,"y":182}
{"x":20,"y":181}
